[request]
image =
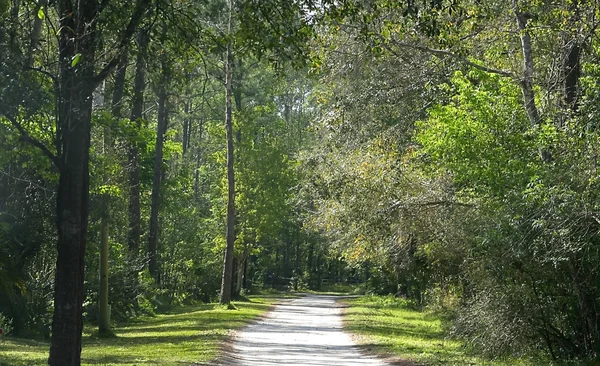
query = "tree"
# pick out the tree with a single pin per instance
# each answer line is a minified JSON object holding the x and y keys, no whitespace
{"x":74,"y":85}
{"x":161,"y":129}
{"x":77,"y":82}
{"x":227,"y":278}
{"x":137,"y":107}
{"x":487,"y":164}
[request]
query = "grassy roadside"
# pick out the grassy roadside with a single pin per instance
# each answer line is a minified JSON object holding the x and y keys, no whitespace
{"x":390,"y":328}
{"x":183,"y":336}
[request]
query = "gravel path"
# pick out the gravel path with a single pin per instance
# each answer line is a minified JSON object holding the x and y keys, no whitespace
{"x":305,"y":331}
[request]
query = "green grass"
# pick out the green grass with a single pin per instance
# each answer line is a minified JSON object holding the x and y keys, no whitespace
{"x":182,"y":336}
{"x":391,"y":328}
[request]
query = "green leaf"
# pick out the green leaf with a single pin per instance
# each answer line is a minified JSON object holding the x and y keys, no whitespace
{"x":76,"y":60}
{"x":41,"y":13}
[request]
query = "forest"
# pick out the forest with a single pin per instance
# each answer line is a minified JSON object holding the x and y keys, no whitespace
{"x":161,"y":152}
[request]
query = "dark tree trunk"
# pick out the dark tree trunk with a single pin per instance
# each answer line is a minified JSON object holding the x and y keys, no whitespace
{"x":237,"y":84}
{"x":119,"y":86}
{"x":297,"y":270}
{"x":245,"y":271}
{"x":159,"y":173}
{"x":186,"y":127}
{"x":77,"y":46}
{"x":287,"y":250}
{"x":156,"y":181}
{"x":137,"y":107}
{"x":187,"y":121}
{"x":198,"y":161}
{"x":77,"y":35}
{"x":240,"y":270}
{"x":571,"y":65}
{"x":226,"y":278}
{"x":572,"y":72}
{"x":234,"y":278}
{"x":104,"y":312}
{"x":14,"y":26}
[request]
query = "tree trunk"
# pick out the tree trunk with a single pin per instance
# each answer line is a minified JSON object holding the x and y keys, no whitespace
{"x":77,"y":47}
{"x":137,"y":107}
{"x":119,"y":87}
{"x":198,"y":161}
{"x":237,"y":84}
{"x":234,"y":277}
{"x":245,"y":285}
{"x":287,"y":271}
{"x":226,"y":278}
{"x":13,"y":31}
{"x":187,"y":121}
{"x":240,"y":274}
{"x":156,"y":181}
{"x":297,"y":271}
{"x":527,"y":81}
{"x":36,"y":32}
{"x":104,"y":313}
{"x":572,"y":71}
{"x":571,"y":64}
{"x":77,"y":35}
{"x":186,"y":127}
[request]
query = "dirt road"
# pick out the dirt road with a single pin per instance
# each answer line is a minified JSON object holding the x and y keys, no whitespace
{"x":305,"y":331}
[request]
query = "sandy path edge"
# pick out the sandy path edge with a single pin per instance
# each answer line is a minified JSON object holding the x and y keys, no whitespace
{"x":226,"y":348}
{"x":370,"y":349}
{"x":229,"y":355}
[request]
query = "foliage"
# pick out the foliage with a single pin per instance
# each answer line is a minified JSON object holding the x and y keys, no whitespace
{"x":442,"y":151}
{"x":481,"y":136}
{"x":5,"y":325}
{"x":425,"y":172}
{"x":390,"y":326}
{"x":190,"y":334}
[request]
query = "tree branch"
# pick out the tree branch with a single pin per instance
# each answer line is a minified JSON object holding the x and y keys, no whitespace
{"x":26,"y":137}
{"x":446,"y":53}
{"x":398,"y":204}
{"x":136,"y":18}
{"x":44,"y":72}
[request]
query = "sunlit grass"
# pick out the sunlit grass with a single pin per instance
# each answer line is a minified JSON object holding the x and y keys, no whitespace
{"x":183,"y":336}
{"x":390,"y":327}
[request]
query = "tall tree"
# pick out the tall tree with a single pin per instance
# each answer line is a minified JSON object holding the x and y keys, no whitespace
{"x":77,"y":40}
{"x":161,"y":129}
{"x":77,"y":81}
{"x":137,"y":108}
{"x":227,"y":277}
{"x":108,"y":145}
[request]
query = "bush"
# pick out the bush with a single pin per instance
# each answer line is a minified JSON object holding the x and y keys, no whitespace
{"x":5,"y":324}
{"x":381,"y":282}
